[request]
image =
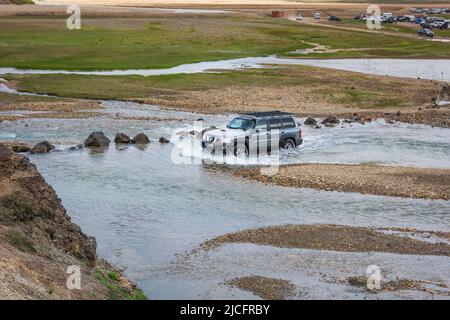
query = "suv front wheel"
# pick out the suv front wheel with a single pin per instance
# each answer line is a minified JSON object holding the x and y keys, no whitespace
{"x":241,"y":152}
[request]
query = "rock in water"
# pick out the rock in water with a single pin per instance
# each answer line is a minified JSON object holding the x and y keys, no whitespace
{"x":163,"y":140}
{"x":310,"y":121}
{"x":42,"y":147}
{"x":330,"y":121}
{"x":97,"y":139}
{"x":140,"y":138}
{"x":122,"y":138}
{"x":77,"y":147}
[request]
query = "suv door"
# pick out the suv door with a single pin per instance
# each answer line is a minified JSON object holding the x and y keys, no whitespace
{"x":289,"y":130}
{"x":274,"y":140}
{"x":261,"y":133}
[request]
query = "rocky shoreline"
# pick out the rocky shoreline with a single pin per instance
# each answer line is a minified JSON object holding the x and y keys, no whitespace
{"x":406,"y":182}
{"x":39,"y":243}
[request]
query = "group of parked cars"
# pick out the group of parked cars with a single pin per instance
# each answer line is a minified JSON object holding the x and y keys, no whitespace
{"x":430,"y":10}
{"x":426,"y":23}
{"x":316,"y":15}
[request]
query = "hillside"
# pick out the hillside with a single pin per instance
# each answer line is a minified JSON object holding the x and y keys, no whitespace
{"x":38,"y":242}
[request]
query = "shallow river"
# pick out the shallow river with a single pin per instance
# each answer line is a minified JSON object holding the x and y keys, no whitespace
{"x":145,"y":210}
{"x":408,"y":68}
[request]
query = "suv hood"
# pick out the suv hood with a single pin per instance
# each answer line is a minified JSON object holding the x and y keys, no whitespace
{"x":225,"y":133}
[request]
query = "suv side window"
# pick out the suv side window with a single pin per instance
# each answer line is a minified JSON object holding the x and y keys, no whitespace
{"x":288,"y":123}
{"x":274,"y":123}
{"x":261,"y":125}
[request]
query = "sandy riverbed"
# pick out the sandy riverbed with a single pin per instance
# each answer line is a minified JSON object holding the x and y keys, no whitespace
{"x":367,"y":179}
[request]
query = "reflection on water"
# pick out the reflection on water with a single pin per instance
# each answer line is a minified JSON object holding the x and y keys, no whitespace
{"x":144,"y":209}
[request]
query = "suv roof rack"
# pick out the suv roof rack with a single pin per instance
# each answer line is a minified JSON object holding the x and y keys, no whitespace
{"x":263,"y":114}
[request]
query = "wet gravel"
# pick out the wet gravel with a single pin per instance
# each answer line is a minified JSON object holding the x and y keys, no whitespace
{"x":406,"y":182}
{"x":331,"y":237}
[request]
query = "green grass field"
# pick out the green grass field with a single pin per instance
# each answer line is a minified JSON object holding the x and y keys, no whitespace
{"x":351,"y":89}
{"x":127,"y":43}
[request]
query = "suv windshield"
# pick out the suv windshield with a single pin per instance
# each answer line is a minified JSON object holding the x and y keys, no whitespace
{"x":241,"y":123}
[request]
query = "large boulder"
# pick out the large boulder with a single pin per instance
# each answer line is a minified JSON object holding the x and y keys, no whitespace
{"x":310,"y":122}
{"x":330,"y":121}
{"x":42,"y":147}
{"x":97,"y":139}
{"x":140,"y":138}
{"x":122,"y":138}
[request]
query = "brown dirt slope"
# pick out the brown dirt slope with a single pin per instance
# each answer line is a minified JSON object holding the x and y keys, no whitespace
{"x":38,"y":242}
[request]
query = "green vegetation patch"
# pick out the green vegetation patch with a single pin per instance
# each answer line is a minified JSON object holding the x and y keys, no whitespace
{"x":7,"y":98}
{"x":18,"y":208}
{"x":162,"y":42}
{"x":346,"y":88}
{"x":127,"y":43}
{"x":116,"y":291}
{"x":20,"y":241}
{"x":21,"y":1}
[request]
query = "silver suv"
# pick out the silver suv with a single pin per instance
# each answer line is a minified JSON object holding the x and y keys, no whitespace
{"x":255,"y":133}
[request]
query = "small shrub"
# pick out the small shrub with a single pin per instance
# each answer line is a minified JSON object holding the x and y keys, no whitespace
{"x":20,"y":241}
{"x":25,"y":208}
{"x":117,"y":291}
{"x":113,"y":276}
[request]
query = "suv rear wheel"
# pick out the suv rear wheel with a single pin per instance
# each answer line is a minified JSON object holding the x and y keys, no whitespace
{"x":288,"y":144}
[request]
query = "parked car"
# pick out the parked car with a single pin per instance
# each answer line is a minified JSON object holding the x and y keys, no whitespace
{"x":437,"y":24}
{"x":425,"y":32}
{"x":410,"y":18}
{"x":317,"y":15}
{"x":248,"y":132}
{"x":420,"y":20}
{"x":299,"y":17}
{"x":334,"y":18}
{"x":391,"y":20}
{"x":434,"y":19}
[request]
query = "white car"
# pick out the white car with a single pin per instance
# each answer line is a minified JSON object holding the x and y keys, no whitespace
{"x":299,"y":17}
{"x":317,"y":15}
